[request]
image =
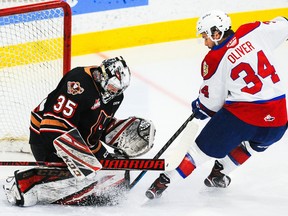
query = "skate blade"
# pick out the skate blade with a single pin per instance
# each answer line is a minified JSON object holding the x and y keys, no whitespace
{"x":146,"y":201}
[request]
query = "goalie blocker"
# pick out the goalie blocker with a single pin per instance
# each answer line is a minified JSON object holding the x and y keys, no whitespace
{"x":130,"y":138}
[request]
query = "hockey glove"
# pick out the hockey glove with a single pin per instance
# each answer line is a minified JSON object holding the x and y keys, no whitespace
{"x":198,"y":112}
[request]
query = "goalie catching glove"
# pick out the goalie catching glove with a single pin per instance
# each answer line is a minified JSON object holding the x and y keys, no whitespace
{"x":132,"y":137}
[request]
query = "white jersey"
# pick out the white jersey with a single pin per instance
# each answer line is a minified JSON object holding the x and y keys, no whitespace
{"x":241,"y":75}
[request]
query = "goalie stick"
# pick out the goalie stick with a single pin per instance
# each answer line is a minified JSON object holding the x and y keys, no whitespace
{"x":107,"y":164}
{"x":163,"y":149}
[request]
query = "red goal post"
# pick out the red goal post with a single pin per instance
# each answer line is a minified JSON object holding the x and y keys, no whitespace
{"x":35,"y":52}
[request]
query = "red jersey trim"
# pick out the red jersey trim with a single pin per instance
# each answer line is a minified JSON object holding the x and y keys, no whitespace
{"x":268,"y":114}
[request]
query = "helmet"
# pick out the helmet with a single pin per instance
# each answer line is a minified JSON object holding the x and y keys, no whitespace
{"x":213,"y":20}
{"x":114,"y":77}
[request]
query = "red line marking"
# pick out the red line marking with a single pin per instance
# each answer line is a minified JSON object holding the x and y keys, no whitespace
{"x":154,"y":86}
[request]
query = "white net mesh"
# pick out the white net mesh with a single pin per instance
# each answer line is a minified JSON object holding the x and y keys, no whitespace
{"x":31,"y":65}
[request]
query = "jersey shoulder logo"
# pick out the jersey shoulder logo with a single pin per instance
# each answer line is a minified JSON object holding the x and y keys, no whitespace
{"x":232,"y":43}
{"x":74,"y":88}
{"x":205,"y":69}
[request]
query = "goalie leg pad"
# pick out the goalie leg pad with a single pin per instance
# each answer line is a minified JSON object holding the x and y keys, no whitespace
{"x":22,"y":188}
{"x":109,"y":190}
{"x":58,"y":186}
{"x":133,"y":136}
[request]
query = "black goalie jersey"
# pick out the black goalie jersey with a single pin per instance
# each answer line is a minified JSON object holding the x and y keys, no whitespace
{"x":75,"y":103}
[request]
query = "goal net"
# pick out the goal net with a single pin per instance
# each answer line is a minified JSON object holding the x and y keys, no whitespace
{"x":34,"y":53}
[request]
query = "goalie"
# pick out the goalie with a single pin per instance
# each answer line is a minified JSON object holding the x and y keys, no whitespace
{"x":81,"y":112}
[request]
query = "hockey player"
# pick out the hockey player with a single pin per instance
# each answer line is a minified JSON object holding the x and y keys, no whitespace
{"x":81,"y":109}
{"x":241,"y":92}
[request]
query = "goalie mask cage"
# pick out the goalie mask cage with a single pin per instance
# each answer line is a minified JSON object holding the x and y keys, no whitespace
{"x":35,"y":51}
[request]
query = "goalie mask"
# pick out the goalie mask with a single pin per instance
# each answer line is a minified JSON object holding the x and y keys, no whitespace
{"x":113,"y":77}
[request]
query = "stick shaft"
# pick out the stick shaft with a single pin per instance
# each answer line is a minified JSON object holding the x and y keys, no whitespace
{"x":114,"y":164}
{"x":163,"y":149}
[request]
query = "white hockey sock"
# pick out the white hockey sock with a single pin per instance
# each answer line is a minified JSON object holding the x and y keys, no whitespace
{"x":194,"y":157}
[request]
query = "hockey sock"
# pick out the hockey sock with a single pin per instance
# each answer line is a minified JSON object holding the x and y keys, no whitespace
{"x":236,"y":157}
{"x":239,"y":155}
{"x":186,"y":167}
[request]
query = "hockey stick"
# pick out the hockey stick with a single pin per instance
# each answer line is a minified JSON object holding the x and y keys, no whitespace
{"x":113,"y":164}
{"x":163,"y":149}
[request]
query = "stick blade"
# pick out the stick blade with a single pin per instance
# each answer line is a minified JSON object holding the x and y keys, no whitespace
{"x":186,"y":140}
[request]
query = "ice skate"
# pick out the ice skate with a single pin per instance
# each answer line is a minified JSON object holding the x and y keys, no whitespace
{"x":11,"y":191}
{"x":216,"y":178}
{"x":158,"y":186}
